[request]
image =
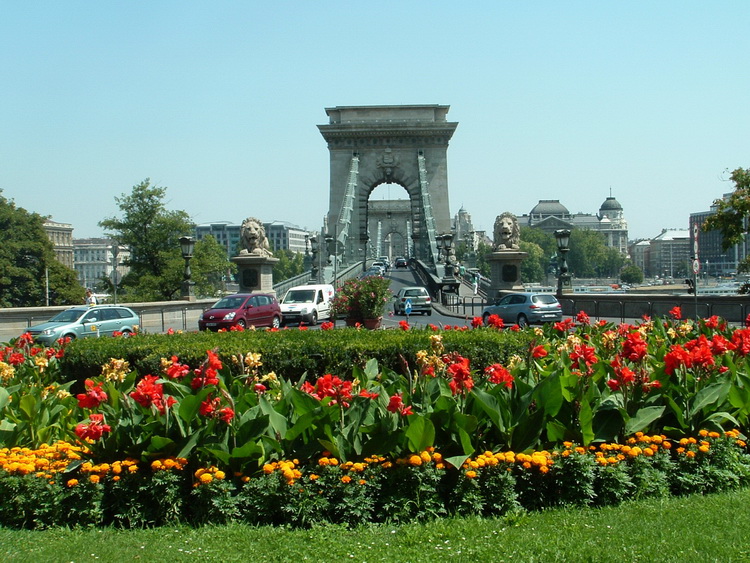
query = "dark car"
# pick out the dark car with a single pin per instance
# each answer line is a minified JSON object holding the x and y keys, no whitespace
{"x":401,"y":263}
{"x":420,"y":299}
{"x":85,"y":321}
{"x":244,"y":310}
{"x":525,"y":308}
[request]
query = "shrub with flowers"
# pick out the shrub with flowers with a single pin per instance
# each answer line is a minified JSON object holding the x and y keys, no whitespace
{"x":362,"y":299}
{"x":588,"y":414}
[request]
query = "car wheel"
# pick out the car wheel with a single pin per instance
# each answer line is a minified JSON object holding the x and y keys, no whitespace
{"x":429,"y":313}
{"x":242,"y":323}
{"x":126,"y":333}
{"x":276,"y":322}
{"x":523,"y":322}
{"x":314,"y":318}
{"x":486,"y":319}
{"x":72,"y":336}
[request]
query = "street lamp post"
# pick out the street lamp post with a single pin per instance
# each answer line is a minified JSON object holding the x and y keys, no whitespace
{"x":115,"y":272}
{"x":315,"y":270}
{"x":563,"y":245}
{"x":187,"y":244}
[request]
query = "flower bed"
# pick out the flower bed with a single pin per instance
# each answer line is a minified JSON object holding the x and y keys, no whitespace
{"x":226,"y":439}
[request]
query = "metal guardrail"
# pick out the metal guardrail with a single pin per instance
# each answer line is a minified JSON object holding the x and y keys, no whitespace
{"x":624,"y":307}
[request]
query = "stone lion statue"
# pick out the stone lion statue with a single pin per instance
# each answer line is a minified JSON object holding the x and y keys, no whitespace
{"x":507,"y":233}
{"x":253,"y":238}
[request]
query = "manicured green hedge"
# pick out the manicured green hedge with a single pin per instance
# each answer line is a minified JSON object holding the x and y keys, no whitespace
{"x":293,"y":352}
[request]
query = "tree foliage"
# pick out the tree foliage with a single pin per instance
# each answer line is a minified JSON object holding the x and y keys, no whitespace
{"x":290,"y":264}
{"x":731,"y":217}
{"x":152,"y":232}
{"x":631,"y":273}
{"x":533,"y":267}
{"x":27,"y":260}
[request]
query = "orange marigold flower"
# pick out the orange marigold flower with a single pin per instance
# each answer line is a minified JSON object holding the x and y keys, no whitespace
{"x":690,"y":454}
{"x":703,"y":449}
{"x":72,"y":482}
{"x":415,"y":460}
{"x":703,"y":433}
{"x":346,"y":479}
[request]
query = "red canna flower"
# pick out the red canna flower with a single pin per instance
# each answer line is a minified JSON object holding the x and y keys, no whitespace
{"x":396,"y":405}
{"x":676,"y":357}
{"x":94,"y":430}
{"x":499,"y":375}
{"x":634,"y":348}
{"x":476,"y":322}
{"x":404,"y":325}
{"x":150,"y":393}
{"x":582,"y":318}
{"x":93,"y":397}
{"x":328,"y":325}
{"x":495,"y":321}
{"x":539,"y":351}
{"x":676,"y":313}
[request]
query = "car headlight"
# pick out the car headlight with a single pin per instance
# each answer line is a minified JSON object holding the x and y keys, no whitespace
{"x":229,"y":316}
{"x":48,"y":331}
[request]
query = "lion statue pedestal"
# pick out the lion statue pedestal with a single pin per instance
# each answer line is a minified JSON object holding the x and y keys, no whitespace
{"x":255,"y":262}
{"x":505,"y":261}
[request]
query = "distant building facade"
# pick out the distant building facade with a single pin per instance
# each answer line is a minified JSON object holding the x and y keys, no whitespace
{"x":714,"y":260}
{"x":226,"y":234}
{"x":98,"y":258}
{"x":61,"y":236}
{"x":669,"y":254}
{"x":550,"y":215}
{"x":286,"y":236}
{"x":280,"y":234}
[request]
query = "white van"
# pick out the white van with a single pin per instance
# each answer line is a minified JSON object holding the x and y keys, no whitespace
{"x":307,"y":304}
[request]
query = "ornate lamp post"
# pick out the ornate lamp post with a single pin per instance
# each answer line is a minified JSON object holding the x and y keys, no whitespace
{"x":187,"y":244}
{"x":315,"y":270}
{"x":564,"y":284}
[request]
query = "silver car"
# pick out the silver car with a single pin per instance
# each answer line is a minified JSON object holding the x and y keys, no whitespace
{"x":418,"y":297}
{"x":525,"y":308}
{"x":84,"y":321}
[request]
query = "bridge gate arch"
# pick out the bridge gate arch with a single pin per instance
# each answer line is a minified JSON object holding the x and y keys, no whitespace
{"x":373,"y":145}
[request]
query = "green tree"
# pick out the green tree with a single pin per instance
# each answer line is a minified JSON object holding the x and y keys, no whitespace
{"x":290,"y":264}
{"x":545,"y":240}
{"x":587,"y":253}
{"x":210,"y":267}
{"x":731,"y":217}
{"x":483,"y":250}
{"x":533,"y":266}
{"x":27,"y":261}
{"x":152,"y":232}
{"x":631,"y":273}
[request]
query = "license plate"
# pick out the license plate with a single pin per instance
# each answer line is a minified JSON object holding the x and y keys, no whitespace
{"x":211,"y":324}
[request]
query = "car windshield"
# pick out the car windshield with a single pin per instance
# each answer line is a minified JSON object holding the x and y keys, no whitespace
{"x":68,"y":316}
{"x":300,"y":296}
{"x":545,"y":299}
{"x":229,"y":303}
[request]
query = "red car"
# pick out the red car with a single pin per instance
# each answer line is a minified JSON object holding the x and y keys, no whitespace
{"x":242,"y":309}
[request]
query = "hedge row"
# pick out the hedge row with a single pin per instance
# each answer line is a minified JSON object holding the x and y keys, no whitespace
{"x":293,"y":352}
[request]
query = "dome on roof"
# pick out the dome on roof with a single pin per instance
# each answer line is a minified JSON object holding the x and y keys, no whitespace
{"x":549,"y":207}
{"x":611,"y":204}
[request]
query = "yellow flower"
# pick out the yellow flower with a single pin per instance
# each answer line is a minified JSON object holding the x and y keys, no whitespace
{"x":206,"y":478}
{"x":346,"y":479}
{"x":94,"y":478}
{"x":7,"y":371}
{"x":426,"y":457}
{"x":471,"y":474}
{"x":72,"y":482}
{"x":415,"y":460}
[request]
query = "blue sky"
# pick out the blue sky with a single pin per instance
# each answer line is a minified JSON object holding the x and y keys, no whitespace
{"x":219,"y":102}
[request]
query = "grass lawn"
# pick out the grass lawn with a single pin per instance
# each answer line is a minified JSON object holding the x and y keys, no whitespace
{"x":696,"y":528}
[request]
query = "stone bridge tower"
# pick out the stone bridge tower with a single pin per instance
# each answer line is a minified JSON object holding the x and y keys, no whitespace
{"x":373,"y":145}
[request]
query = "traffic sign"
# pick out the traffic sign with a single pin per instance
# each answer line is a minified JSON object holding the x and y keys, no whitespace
{"x":696,"y":266}
{"x":407,"y":307}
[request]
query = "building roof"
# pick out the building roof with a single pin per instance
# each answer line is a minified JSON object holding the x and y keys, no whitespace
{"x":611,"y":204}
{"x":549,"y":207}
